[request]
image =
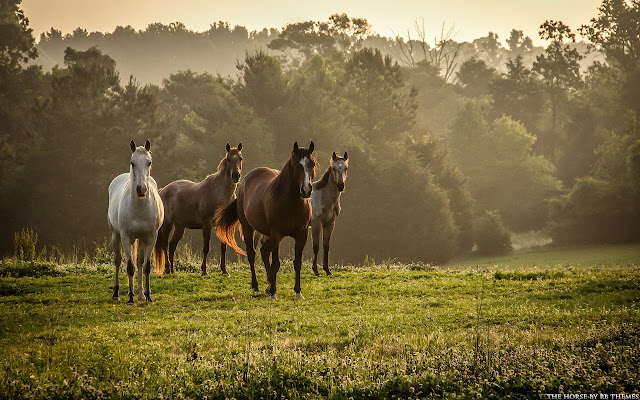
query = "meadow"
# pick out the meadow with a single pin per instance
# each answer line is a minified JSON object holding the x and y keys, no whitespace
{"x":536,"y":322}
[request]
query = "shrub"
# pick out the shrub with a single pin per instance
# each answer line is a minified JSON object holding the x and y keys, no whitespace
{"x":595,"y":212}
{"x":24,"y":243}
{"x":491,"y":235}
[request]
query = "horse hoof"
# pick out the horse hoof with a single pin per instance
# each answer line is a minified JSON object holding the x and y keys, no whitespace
{"x":256,"y":290}
{"x":115,"y":298}
{"x":299,"y":296}
{"x":315,"y":271}
{"x":149,"y":299}
{"x":130,"y":302}
{"x":273,"y":297}
{"x":225,"y":273}
{"x":328,"y":273}
{"x":204,"y":273}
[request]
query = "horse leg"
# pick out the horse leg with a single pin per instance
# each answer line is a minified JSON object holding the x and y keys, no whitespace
{"x":126,"y":246}
{"x":265,"y":251}
{"x":206,"y":238}
{"x":315,"y":234}
{"x":223,"y":259}
{"x":247,"y":232}
{"x":117,"y":258}
{"x":301,"y":240}
{"x":177,"y":235}
{"x":147,"y":267}
{"x":142,"y":249}
{"x":270,"y":248}
{"x":275,"y":265}
{"x":327,"y":230}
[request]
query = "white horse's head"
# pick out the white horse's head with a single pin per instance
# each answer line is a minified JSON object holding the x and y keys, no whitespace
{"x":140,"y":167}
{"x":339,"y":166}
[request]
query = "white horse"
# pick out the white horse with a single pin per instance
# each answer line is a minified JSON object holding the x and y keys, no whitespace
{"x":135,"y":215}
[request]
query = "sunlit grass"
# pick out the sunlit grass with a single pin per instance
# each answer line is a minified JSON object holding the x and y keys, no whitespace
{"x":522,"y":325}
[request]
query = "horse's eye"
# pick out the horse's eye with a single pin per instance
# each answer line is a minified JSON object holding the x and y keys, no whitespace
{"x":149,"y":163}
{"x":132,"y":163}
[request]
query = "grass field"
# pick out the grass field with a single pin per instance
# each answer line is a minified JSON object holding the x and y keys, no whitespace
{"x":536,"y":322}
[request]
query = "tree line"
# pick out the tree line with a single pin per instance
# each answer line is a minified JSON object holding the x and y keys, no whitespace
{"x":450,"y":145}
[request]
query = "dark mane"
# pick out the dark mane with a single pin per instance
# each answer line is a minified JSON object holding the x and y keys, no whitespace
{"x":324,"y":180}
{"x":282,"y":180}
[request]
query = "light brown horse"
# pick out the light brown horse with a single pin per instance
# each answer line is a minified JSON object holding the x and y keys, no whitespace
{"x":275,"y":204}
{"x":325,"y":203}
{"x":193,"y":205}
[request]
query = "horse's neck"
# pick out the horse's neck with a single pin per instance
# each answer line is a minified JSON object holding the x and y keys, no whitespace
{"x":330,"y":190}
{"x":219,"y":182}
{"x":284,"y":184}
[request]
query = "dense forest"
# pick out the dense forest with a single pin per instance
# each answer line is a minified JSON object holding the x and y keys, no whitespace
{"x":452,"y":145}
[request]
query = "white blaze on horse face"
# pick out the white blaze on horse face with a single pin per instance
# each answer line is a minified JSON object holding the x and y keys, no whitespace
{"x":140,"y":171}
{"x":306,"y":185}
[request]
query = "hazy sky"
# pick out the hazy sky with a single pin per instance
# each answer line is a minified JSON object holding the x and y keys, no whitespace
{"x":472,"y":18}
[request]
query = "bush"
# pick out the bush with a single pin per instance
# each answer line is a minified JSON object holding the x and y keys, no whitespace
{"x":24,"y":243}
{"x":492,"y":237}
{"x":596,"y":212}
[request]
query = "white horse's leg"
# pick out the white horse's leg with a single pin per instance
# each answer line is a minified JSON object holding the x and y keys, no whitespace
{"x":117,"y":258}
{"x":148,"y":250}
{"x":142,"y":250}
{"x":126,"y":246}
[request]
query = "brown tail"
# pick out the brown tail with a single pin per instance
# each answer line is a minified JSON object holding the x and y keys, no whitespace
{"x":226,"y":220}
{"x":158,"y":252}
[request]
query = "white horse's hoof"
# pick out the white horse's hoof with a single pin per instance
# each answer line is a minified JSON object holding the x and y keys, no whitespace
{"x":273,"y":297}
{"x":299,"y":296}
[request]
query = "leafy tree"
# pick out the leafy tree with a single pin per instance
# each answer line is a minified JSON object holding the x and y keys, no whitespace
{"x":503,"y":172}
{"x":603,"y":207}
{"x":559,"y":68}
{"x":491,"y":235}
{"x":433,"y":155}
{"x":489,"y":49}
{"x":306,"y":38}
{"x":383,"y":108}
{"x":616,"y":32}
{"x":475,"y":77}
{"x":203,"y":115}
{"x":517,"y":94}
{"x":85,"y":126}
{"x":263,"y":84}
{"x":519,"y":44}
{"x":437,"y":101}
{"x":20,"y":91}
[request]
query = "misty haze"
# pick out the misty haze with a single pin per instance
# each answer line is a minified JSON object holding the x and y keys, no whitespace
{"x":485,"y":237}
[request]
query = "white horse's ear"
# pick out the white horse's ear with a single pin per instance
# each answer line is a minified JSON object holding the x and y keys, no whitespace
{"x":133,"y":145}
{"x":147,"y":145}
{"x":334,"y":156}
{"x":311,"y":147}
{"x":346,"y":156}
{"x":240,"y":146}
{"x":295,"y":147}
{"x":228,"y":147}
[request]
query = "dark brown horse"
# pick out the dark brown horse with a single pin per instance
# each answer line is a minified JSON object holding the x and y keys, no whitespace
{"x":193,"y":205}
{"x":275,"y":204}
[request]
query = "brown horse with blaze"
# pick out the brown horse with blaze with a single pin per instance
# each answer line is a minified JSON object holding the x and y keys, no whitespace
{"x":275,"y":204}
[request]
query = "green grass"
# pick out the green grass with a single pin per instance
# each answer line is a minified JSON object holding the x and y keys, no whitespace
{"x":520,"y":326}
